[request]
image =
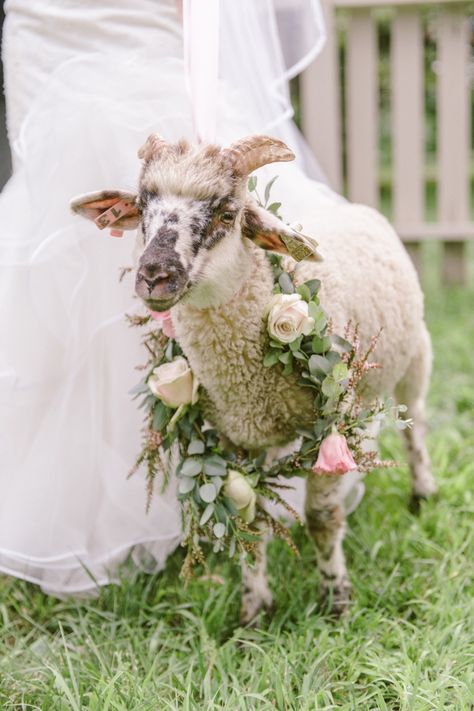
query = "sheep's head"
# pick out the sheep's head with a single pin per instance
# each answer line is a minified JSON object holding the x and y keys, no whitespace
{"x":195,"y":214}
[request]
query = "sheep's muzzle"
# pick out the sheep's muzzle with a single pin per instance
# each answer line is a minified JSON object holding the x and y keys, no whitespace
{"x":160,"y":279}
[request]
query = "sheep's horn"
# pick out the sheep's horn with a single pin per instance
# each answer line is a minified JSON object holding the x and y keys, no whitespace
{"x":252,"y":152}
{"x":152,"y":147}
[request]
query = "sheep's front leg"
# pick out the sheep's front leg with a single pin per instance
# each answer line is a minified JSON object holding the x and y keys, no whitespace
{"x":326,"y":520}
{"x":256,"y":595}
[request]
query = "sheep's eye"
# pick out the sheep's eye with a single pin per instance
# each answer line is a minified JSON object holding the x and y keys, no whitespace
{"x":227,"y":217}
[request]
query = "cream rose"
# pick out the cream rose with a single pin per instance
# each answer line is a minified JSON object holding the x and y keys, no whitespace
{"x":241,"y":494}
{"x":288,"y":318}
{"x":174,"y":383}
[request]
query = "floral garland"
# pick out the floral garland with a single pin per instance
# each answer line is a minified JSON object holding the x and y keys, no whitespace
{"x":223,"y":491}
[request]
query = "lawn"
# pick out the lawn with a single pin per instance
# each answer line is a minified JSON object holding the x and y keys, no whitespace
{"x":408,"y":643}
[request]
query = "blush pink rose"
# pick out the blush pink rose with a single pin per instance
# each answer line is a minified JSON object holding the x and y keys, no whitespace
{"x":334,"y":456}
{"x":165,"y":321}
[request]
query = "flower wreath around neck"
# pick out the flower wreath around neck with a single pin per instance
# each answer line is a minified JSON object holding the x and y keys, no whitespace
{"x":223,"y":490}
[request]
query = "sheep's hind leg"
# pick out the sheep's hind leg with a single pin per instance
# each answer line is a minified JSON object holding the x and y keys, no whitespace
{"x":411,"y":391}
{"x":256,"y":594}
{"x":326,"y":520}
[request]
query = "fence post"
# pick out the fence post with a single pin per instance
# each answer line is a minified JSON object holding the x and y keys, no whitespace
{"x":362,"y":108}
{"x":453,"y":134}
{"x":407,"y":123}
{"x":321,"y":109}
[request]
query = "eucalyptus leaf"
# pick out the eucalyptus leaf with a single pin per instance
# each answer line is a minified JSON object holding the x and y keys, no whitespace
{"x":219,"y":530}
{"x":232,"y":548}
{"x":161,"y":416}
{"x":222,"y":511}
{"x":319,"y":364}
{"x":271,"y":357}
{"x":314,"y":310}
{"x":274,"y":207}
{"x":211,"y":438}
{"x":321,"y":322}
{"x":295,"y":345}
{"x":321,"y":344}
{"x":321,"y":425}
{"x":186,"y":484}
{"x":306,"y":446}
{"x":313,"y":285}
{"x":330,"y":388}
{"x":330,"y":406}
{"x":148,"y":402}
{"x":215,"y":466}
{"x":207,"y":513}
{"x":288,"y":369}
{"x":341,"y":343}
{"x":286,"y":357}
{"x":304,"y":292}
{"x":207,"y":492}
{"x":333,"y":358}
{"x":304,"y":432}
{"x":196,"y":446}
{"x":140,"y":388}
{"x":252,"y":183}
{"x":253,"y":479}
{"x":340,"y":372}
{"x":306,"y":347}
{"x":286,"y":284}
{"x":191,"y":467}
{"x":268,"y":188}
{"x":299,"y":355}
{"x":231,"y":508}
{"x":185,"y":427}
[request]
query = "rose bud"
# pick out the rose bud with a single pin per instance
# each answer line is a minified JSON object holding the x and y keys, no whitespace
{"x":174,"y":383}
{"x":334,"y":456}
{"x":242,"y":495}
{"x":288,"y":318}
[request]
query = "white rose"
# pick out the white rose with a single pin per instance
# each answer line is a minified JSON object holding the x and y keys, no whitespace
{"x":288,"y":318}
{"x":242,"y":495}
{"x":174,"y":383}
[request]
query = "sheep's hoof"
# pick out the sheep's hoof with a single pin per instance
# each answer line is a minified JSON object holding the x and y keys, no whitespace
{"x":416,"y":500}
{"x":252,"y":606}
{"x":335,"y":599}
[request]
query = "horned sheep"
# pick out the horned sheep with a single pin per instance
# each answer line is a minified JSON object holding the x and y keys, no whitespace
{"x":201,"y":241}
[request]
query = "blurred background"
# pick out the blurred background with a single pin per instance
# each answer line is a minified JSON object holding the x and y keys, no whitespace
{"x":387,"y":109}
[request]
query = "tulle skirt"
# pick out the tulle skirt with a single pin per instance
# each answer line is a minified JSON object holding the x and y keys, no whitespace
{"x":69,"y":431}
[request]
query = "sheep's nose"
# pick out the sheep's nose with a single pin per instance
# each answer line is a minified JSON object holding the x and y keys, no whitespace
{"x":153,"y":274}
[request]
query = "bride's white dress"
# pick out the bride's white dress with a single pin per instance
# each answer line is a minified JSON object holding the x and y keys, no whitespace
{"x":86,"y":82}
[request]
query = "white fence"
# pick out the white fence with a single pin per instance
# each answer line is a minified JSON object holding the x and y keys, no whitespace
{"x":358,"y":139}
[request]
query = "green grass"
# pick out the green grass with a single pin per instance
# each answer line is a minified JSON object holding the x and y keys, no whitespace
{"x":408,"y":643}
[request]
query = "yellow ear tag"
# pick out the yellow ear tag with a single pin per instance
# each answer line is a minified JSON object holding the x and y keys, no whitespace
{"x":301,"y":247}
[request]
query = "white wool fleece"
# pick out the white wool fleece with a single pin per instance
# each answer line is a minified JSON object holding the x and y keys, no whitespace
{"x":367,"y":278}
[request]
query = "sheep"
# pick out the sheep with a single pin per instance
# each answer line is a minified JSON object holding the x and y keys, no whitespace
{"x":202,"y":242}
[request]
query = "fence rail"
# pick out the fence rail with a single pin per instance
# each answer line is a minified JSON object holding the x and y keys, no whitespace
{"x":347,"y":146}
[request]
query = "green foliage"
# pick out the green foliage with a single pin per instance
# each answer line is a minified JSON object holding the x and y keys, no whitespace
{"x":150,"y":643}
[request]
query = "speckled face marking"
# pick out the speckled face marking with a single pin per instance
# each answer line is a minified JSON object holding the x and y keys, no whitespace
{"x":184,"y":222}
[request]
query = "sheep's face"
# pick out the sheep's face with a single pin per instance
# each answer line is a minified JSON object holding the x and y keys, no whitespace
{"x":191,"y":205}
{"x":194,"y":216}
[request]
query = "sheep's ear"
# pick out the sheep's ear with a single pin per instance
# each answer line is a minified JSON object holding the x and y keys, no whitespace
{"x":269,"y":232}
{"x":108,"y":208}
